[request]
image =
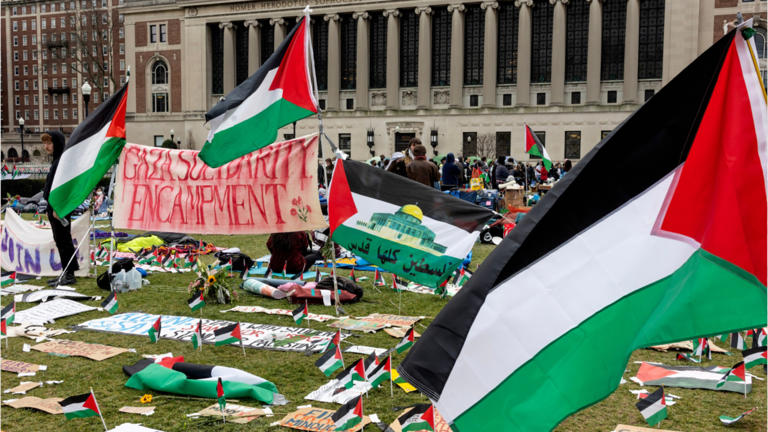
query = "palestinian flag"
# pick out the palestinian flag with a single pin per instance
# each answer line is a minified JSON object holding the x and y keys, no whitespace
{"x":687,"y":357}
{"x":200,"y":380}
{"x":300,"y":313}
{"x":738,"y":342}
{"x":197,"y":337}
{"x":353,"y":373}
{"x":154,"y":331}
{"x":7,"y":279}
{"x":330,"y":362}
{"x":335,"y":341}
{"x":736,"y":373}
{"x":396,"y":285}
{"x":80,"y":406}
{"x":755,"y":356}
{"x":660,"y":246}
{"x":349,"y":415}
{"x":759,"y":337}
{"x":197,"y":301}
{"x":317,"y":274}
{"x":378,"y":279}
{"x":701,"y":348}
{"x":15,"y":172}
{"x":730,"y":420}
{"x":279,"y":93}
{"x":462,"y":277}
{"x":406,"y":342}
{"x":382,"y":373}
{"x":91,"y":150}
{"x":220,"y":395}
{"x":227,"y":335}
{"x":400,"y":225}
{"x":3,"y":327}
{"x":110,"y":303}
{"x":653,"y":407}
{"x":370,"y":363}
{"x":352,"y":275}
{"x":5,"y":170}
{"x":688,"y":377}
{"x":535,"y":148}
{"x":9,"y":313}
{"x":421,"y":417}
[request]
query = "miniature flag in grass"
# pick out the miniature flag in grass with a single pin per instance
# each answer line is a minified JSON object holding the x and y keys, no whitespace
{"x":687,"y":357}
{"x":268,"y":274}
{"x":154,"y":331}
{"x":759,"y":337}
{"x":653,"y":407}
{"x":80,"y":406}
{"x":378,"y":279}
{"x":534,"y":147}
{"x":220,"y":395}
{"x":701,"y":348}
{"x":462,"y":277}
{"x":7,"y":279}
{"x":300,"y":313}
{"x":317,"y":274}
{"x":370,"y":364}
{"x":110,"y":303}
{"x":755,"y":356}
{"x":197,"y":301}
{"x":227,"y":335}
{"x":330,"y":362}
{"x":420,"y":417}
{"x":738,"y":342}
{"x":356,"y":372}
{"x":197,"y":337}
{"x":352,"y":275}
{"x":382,"y":373}
{"x":3,"y":327}
{"x":406,"y":342}
{"x":9,"y":313}
{"x":736,"y":373}
{"x":335,"y":341}
{"x":730,"y":420}
{"x":396,"y":285}
{"x":349,"y":415}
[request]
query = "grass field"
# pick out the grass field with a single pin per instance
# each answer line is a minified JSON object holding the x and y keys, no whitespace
{"x":295,"y":374}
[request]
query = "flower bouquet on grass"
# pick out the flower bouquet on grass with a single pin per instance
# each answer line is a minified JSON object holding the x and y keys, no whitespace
{"x":215,"y":284}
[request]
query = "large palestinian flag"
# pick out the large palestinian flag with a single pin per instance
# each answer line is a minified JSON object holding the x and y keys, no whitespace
{"x":279,"y":93}
{"x":400,"y":225}
{"x":534,"y":147}
{"x":581,"y":279}
{"x":91,"y":150}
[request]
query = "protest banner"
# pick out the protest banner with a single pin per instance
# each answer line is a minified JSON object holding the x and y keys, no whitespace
{"x":316,"y":419}
{"x":359,"y":325}
{"x":392,"y":320}
{"x":96,"y":352}
{"x":271,"y":190}
{"x":18,"y":289}
{"x":181,"y":328}
{"x":18,"y":367}
{"x":45,"y":295}
{"x":50,"y":405}
{"x":49,"y":311}
{"x":29,"y":250}
{"x":286,"y":312}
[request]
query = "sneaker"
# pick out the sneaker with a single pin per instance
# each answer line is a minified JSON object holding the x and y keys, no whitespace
{"x":67,"y":279}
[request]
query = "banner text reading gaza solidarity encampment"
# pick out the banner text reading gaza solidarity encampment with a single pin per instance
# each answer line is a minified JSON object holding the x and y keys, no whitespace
{"x":270,"y":190}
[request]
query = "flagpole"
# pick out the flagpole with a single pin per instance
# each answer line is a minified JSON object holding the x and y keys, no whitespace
{"x":64,"y":269}
{"x":333,"y":274}
{"x":241,"y":340}
{"x":99,"y":409}
{"x":391,"y":386}
{"x":306,"y":308}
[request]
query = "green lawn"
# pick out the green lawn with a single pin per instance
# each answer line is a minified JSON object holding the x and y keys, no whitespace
{"x":295,"y":374}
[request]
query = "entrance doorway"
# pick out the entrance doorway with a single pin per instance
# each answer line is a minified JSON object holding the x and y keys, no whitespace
{"x":402,"y":139}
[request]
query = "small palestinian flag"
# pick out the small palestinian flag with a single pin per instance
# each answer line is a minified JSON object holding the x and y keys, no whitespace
{"x":9,"y":313}
{"x":396,"y":285}
{"x":653,"y":407}
{"x":378,"y":279}
{"x":759,"y":337}
{"x":731,"y":420}
{"x":406,"y":342}
{"x":80,"y":406}
{"x":330,"y":362}
{"x":736,"y":373}
{"x":197,"y":301}
{"x":370,"y":363}
{"x":701,"y":348}
{"x":7,"y":279}
{"x":335,"y":341}
{"x":420,"y":417}
{"x":154,"y":331}
{"x":535,"y":148}
{"x":755,"y":356}
{"x":220,"y":395}
{"x":197,"y":336}
{"x":382,"y":373}
{"x":285,"y":270}
{"x":3,"y":327}
{"x":317,"y":274}
{"x":227,"y":335}
{"x":738,"y":342}
{"x":268,"y":273}
{"x":352,"y":275}
{"x":353,"y":373}
{"x":300,"y":313}
{"x":349,"y":415}
{"x":462,"y":277}
{"x":110,"y":303}
{"x":687,"y":357}
{"x":15,"y":172}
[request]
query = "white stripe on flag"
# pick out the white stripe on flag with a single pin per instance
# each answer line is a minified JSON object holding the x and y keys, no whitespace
{"x":74,"y":407}
{"x":79,"y":158}
{"x":653,"y":409}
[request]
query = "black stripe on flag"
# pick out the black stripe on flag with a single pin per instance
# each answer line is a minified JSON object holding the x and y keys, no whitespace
{"x":73,"y":400}
{"x":324,"y":358}
{"x":194,"y":371}
{"x":224,"y":330}
{"x":650,"y":399}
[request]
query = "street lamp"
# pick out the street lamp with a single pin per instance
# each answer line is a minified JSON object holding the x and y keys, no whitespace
{"x":21,"y":128}
{"x":369,"y":142}
{"x":86,"y":89}
{"x":172,"y":135}
{"x":433,"y":140}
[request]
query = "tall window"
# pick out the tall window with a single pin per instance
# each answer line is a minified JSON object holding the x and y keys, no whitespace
{"x":474,"y":28}
{"x":159,"y":72}
{"x":614,"y":22}
{"x":159,"y":86}
{"x":348,"y":52}
{"x":577,"y":32}
{"x":217,"y":59}
{"x":573,"y":144}
{"x":241,"y":52}
{"x":345,"y":143}
{"x":507,"y":63}
{"x":441,"y":46}
{"x":378,"y":50}
{"x":541,"y":42}
{"x":320,"y":48}
{"x":503,"y":147}
{"x":409,"y":48}
{"x":651,"y":47}
{"x":267,"y":39}
{"x":153,"y":33}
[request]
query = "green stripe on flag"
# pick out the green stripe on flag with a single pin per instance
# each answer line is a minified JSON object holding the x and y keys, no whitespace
{"x":83,"y":413}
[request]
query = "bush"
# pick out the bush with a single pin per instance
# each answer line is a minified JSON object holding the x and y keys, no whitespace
{"x":168,"y":144}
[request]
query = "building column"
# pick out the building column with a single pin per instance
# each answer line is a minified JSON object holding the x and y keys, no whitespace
{"x":490,"y":57}
{"x":334,"y":62}
{"x":393,"y":58}
{"x":228,"y":77}
{"x":254,"y":46}
{"x":557,"y":88}
{"x":425,"y":56}
{"x":594,"y":48}
{"x":279,"y":24}
{"x":362,"y":79}
{"x":631,"y":51}
{"x":524,"y":52}
{"x":457,"y":55}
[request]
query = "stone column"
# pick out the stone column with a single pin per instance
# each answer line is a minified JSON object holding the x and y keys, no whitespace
{"x":393,"y":58}
{"x":334,"y":62}
{"x":557,"y":78}
{"x":631,"y":50}
{"x":254,"y":46}
{"x":524,"y":52}
{"x":457,"y":55}
{"x":363,"y":61}
{"x":594,"y":48}
{"x":425,"y":57}
{"x":228,"y":77}
{"x":279,"y":24}
{"x":490,"y":56}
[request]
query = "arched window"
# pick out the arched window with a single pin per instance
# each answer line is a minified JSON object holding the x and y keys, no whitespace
{"x":24,"y":156}
{"x":159,"y":72}
{"x":12,"y":154}
{"x":36,"y":153}
{"x":760,"y":42}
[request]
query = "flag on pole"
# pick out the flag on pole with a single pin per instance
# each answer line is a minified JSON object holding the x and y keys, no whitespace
{"x":300,"y":313}
{"x":197,"y":337}
{"x":382,"y":373}
{"x":421,"y":417}
{"x":378,"y":278}
{"x":755,"y":356}
{"x":330,"y":362}
{"x":227,"y":335}
{"x":349,"y":415}
{"x":406,"y":342}
{"x":154,"y":331}
{"x":91,"y":150}
{"x":370,"y":363}
{"x":353,"y":373}
{"x":110,"y":303}
{"x":534,"y":147}
{"x":9,"y":313}
{"x":80,"y":406}
{"x":317,"y":274}
{"x":197,"y":301}
{"x":220,"y":395}
{"x":352,"y":275}
{"x":660,"y":245}
{"x":335,"y":341}
{"x":738,"y":342}
{"x":653,"y":407}
{"x":7,"y":279}
{"x":735,"y":373}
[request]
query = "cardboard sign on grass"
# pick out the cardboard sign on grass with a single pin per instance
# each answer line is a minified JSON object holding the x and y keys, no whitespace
{"x":96,"y":352}
{"x":629,"y":428}
{"x":359,"y":325}
{"x":317,"y":420}
{"x":24,"y":387}
{"x":21,"y":367}
{"x":392,"y":320}
{"x":50,"y":405}
{"x":239,"y":414}
{"x":440,"y":423}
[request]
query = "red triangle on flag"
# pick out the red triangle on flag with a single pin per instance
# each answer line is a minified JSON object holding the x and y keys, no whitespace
{"x":90,"y":403}
{"x":236,"y":332}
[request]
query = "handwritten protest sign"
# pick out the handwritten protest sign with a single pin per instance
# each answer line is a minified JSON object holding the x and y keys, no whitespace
{"x":50,"y":311}
{"x":239,"y":414}
{"x":440,"y":424}
{"x":18,"y":289}
{"x":315,"y":419}
{"x":399,"y":332}
{"x":50,"y":405}
{"x":23,"y":387}
{"x":359,"y":325}
{"x":271,"y":190}
{"x":44,"y":295}
{"x":142,"y":410}
{"x":16,"y":366}
{"x":180,"y":328}
{"x":30,"y":250}
{"x":392,"y":320}
{"x":77,"y":348}
{"x":286,"y":312}
{"x":332,"y":391}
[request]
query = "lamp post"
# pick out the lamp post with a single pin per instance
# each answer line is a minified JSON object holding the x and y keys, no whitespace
{"x":86,"y":89}
{"x":433,"y":140}
{"x":369,"y":142}
{"x":172,"y":133}
{"x":21,"y":128}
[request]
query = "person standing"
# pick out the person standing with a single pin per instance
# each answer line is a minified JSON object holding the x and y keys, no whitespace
{"x":409,"y":156}
{"x":53,"y":142}
{"x":422,"y":170}
{"x":450,"y":177}
{"x":501,"y":173}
